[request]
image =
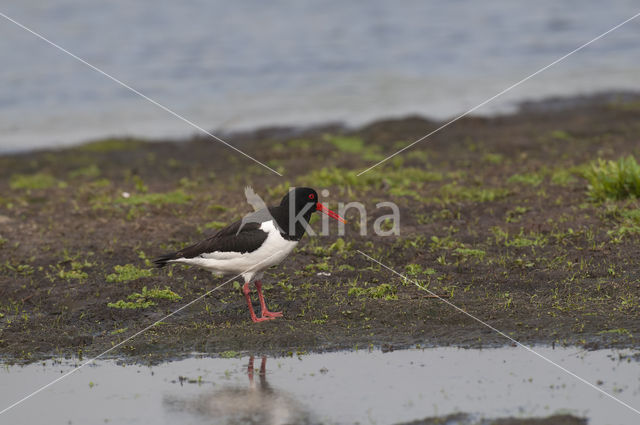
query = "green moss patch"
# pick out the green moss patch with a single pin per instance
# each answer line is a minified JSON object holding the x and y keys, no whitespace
{"x":530,"y":179}
{"x":614,"y":179}
{"x":130,"y":305}
{"x":32,"y":181}
{"x":176,"y":197}
{"x":145,"y":298}
{"x":90,"y":171}
{"x":383,"y":291}
{"x":127,"y":272}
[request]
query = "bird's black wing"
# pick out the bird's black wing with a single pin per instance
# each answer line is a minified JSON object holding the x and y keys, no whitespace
{"x":242,"y":236}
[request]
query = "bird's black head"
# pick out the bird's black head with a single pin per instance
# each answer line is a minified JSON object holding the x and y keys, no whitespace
{"x":296,"y":209}
{"x":300,"y":199}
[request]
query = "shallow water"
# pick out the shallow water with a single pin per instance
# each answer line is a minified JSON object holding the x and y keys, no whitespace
{"x":232,"y":65}
{"x":345,"y":387}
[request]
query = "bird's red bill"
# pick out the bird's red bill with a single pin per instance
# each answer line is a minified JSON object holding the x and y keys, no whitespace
{"x":330,"y":213}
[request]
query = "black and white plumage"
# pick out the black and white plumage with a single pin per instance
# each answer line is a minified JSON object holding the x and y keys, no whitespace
{"x":260,"y":240}
{"x":235,"y":251}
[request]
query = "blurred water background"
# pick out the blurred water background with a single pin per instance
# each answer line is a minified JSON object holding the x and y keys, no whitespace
{"x":238,"y":65}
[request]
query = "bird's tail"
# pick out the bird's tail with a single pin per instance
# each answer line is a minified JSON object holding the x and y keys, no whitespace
{"x":163,"y":260}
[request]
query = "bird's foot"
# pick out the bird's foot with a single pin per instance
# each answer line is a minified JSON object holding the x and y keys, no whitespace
{"x":261,"y":319}
{"x":271,"y":314}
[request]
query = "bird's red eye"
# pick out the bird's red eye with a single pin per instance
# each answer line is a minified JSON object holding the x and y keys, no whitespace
{"x":311,"y":196}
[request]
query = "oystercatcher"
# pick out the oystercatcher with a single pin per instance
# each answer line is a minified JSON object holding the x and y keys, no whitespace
{"x":255,"y":243}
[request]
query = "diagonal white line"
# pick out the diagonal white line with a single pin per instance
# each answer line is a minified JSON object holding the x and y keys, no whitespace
{"x":503,"y":92}
{"x":142,"y":95}
{"x":44,"y":387}
{"x":531,"y":350}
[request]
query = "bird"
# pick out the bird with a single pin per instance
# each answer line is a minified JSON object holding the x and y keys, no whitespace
{"x":249,"y":246}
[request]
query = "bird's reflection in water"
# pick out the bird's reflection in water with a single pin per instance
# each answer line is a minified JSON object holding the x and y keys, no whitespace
{"x":259,"y":403}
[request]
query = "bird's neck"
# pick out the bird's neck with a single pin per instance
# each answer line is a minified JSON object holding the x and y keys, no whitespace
{"x":284,"y":219}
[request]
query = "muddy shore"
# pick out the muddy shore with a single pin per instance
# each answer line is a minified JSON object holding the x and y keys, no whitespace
{"x":495,"y":216}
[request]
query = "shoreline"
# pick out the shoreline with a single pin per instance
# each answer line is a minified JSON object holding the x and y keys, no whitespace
{"x":556,"y":103}
{"x":518,"y":243}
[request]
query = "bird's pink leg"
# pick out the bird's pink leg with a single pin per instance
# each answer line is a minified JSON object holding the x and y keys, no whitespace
{"x":263,"y":305}
{"x":246,"y":290}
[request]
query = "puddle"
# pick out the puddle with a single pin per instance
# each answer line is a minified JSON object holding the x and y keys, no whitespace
{"x":345,"y":387}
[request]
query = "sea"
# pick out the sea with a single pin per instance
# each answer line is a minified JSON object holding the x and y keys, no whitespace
{"x":237,"y":65}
